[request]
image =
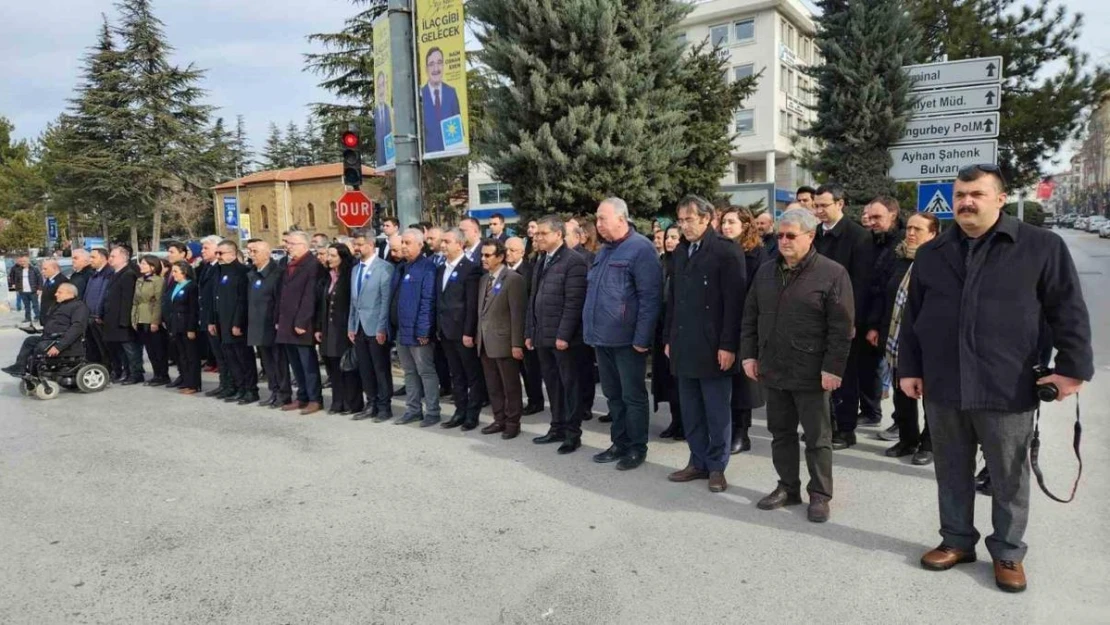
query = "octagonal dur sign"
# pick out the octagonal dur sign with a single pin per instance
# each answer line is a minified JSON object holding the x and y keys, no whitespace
{"x":354,"y":209}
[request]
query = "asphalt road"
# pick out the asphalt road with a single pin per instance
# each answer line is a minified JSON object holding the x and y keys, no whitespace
{"x":137,"y":505}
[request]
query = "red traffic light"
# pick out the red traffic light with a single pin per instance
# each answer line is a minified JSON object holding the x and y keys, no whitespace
{"x":350,"y":139}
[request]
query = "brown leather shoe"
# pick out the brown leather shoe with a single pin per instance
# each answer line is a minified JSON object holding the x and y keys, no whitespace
{"x":717,"y":483}
{"x":510,"y":433}
{"x":818,"y":511}
{"x":778,"y":498}
{"x":493,"y":428}
{"x":944,"y":557}
{"x":293,"y":405}
{"x":689,"y":474}
{"x":188,"y":391}
{"x":311,"y":407}
{"x":1009,"y":575}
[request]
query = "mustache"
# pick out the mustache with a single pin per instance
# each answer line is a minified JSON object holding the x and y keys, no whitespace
{"x":969,"y":210}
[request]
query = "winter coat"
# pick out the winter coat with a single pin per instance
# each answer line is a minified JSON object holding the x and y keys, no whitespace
{"x":555,"y":304}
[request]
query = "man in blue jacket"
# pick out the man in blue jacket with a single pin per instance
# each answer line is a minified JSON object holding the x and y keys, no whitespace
{"x":412,"y":313}
{"x":623,"y":294}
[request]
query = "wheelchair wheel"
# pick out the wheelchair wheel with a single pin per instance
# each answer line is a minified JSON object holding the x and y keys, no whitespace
{"x":47,"y":389}
{"x":91,"y":378}
{"x":25,"y":388}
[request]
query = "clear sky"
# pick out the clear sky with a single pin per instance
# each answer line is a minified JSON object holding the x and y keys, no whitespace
{"x":252,"y":50}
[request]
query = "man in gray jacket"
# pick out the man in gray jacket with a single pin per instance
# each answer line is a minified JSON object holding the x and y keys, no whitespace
{"x":796,"y":333}
{"x":368,"y":327}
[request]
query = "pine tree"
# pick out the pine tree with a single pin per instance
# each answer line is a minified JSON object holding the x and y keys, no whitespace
{"x":863,"y":96}
{"x":587,"y":104}
{"x":294,"y":146}
{"x":1047,"y":81}
{"x":273,"y":155}
{"x":241,"y":148}
{"x":21,"y":183}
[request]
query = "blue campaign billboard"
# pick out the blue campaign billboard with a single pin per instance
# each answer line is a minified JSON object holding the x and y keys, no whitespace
{"x":231,"y":213}
{"x":52,"y":229}
{"x":935,"y":198}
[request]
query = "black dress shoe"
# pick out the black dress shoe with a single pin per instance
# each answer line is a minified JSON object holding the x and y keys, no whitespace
{"x":469,"y":425}
{"x":360,"y":416}
{"x":570,"y":445}
{"x":549,"y":438}
{"x":455,"y":421}
{"x":669,"y":432}
{"x":216,"y":392}
{"x":605,"y":419}
{"x":13,"y":371}
{"x":131,"y":381}
{"x":233,"y":397}
{"x":228,"y":393}
{"x":532,"y":409}
{"x":843,"y":440}
{"x":334,"y":410}
{"x":269,"y":401}
{"x":400,"y":392}
{"x":899,"y":450}
{"x":740,"y":442}
{"x":631,"y":460}
{"x":176,"y":383}
{"x":609,"y":455}
{"x":247,"y":398}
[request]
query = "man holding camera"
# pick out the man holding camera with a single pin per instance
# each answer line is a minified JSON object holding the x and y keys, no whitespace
{"x":982,"y":299}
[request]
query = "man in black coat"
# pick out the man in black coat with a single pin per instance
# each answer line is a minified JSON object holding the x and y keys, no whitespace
{"x":553,"y":331}
{"x":530,"y":367}
{"x":263,"y":294}
{"x":65,"y":328}
{"x":228,"y":321}
{"x":208,"y":276}
{"x":81,"y":271}
{"x":296,"y":311}
{"x":795,"y":337}
{"x":887,"y":232}
{"x":52,"y":278}
{"x":978,"y":299}
{"x":119,"y":335}
{"x":457,"y":325}
{"x":704,"y":308}
{"x":849,"y":244}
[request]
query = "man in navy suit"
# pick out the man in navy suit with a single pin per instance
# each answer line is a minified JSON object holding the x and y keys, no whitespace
{"x":440,"y":101}
{"x":383,"y":120}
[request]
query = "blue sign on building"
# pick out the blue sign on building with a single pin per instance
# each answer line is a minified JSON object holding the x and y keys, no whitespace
{"x":52,"y":229}
{"x":935,"y":198}
{"x":231,"y":213}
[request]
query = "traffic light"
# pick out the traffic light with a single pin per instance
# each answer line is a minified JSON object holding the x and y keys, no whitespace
{"x":352,"y":160}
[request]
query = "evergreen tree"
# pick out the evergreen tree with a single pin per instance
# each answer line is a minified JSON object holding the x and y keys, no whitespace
{"x":315,"y":148}
{"x":241,"y":148}
{"x":863,"y":96}
{"x":294,"y":146}
{"x":1047,"y":81}
{"x":587,"y":103}
{"x":274,"y":155}
{"x":21,"y":184}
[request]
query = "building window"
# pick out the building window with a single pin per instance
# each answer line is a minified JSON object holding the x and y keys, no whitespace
{"x":745,"y":122}
{"x":718,"y":35}
{"x":743,"y":71}
{"x":783,"y":123}
{"x":311,"y":215}
{"x":681,"y":39}
{"x":494,"y":193}
{"x":790,"y":37}
{"x":782,"y":77}
{"x":334,"y":219}
{"x":265,"y":218}
{"x":744,"y":31}
{"x":741,"y":172}
{"x":791,"y":83}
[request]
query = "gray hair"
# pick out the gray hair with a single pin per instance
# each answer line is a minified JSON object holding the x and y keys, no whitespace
{"x":211,"y":239}
{"x":698,"y":204}
{"x":80,"y":252}
{"x":620,"y":207}
{"x":800,"y":217}
{"x":51,"y":262}
{"x":554,"y":223}
{"x":365,"y":233}
{"x":457,"y":233}
{"x":415,"y":233}
{"x":68,"y":287}
{"x":302,"y":235}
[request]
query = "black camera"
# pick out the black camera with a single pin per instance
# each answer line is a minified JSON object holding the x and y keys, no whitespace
{"x":1045,"y":392}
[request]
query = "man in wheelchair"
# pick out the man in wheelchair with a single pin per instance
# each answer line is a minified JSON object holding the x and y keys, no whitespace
{"x":62,"y":333}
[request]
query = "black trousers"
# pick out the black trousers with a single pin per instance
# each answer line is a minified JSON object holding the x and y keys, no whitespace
{"x":443,"y":370}
{"x":279,"y":380}
{"x":870,"y":383}
{"x":785,"y":410}
{"x":741,"y":417}
{"x":346,"y":389}
{"x":29,"y":345}
{"x":468,"y":386}
{"x":216,"y":352}
{"x":906,"y":418}
{"x":375,"y":368}
{"x":188,"y":360}
{"x":157,"y":350}
{"x":129,"y":356}
{"x":845,"y":400}
{"x":244,"y":370}
{"x":532,"y":373}
{"x":563,"y":380}
{"x":96,"y":350}
{"x":588,"y":377}
{"x":707,"y":420}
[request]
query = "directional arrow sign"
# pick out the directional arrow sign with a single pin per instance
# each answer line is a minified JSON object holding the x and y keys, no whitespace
{"x":940,"y":161}
{"x":962,"y":100}
{"x":966,"y":72}
{"x":950,"y":128}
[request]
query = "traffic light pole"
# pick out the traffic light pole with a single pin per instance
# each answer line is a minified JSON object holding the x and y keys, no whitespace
{"x":405,"y":137}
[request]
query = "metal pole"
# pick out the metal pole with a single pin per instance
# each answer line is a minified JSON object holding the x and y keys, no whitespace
{"x":406,"y":139}
{"x":1021,"y":206}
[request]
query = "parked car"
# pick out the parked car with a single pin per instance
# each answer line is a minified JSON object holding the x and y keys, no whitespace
{"x":1104,"y":231}
{"x":1081,"y":224}
{"x":1094,"y":223}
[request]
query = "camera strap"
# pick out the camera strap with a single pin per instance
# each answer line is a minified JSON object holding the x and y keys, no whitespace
{"x":1035,"y":448}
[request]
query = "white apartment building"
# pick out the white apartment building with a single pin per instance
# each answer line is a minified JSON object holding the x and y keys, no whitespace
{"x":774,"y":37}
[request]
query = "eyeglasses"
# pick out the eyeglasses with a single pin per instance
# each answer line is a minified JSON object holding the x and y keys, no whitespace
{"x":987,"y":168}
{"x":789,"y":236}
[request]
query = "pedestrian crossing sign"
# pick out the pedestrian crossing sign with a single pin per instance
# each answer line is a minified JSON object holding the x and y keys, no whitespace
{"x":935,"y":198}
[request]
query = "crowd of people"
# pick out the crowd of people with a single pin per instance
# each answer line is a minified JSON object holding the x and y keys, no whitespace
{"x":815,"y":316}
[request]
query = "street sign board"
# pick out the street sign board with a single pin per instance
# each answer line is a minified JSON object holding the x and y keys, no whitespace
{"x":961,"y":100}
{"x":935,"y":198}
{"x":984,"y":70}
{"x":940,"y":161}
{"x":354,"y":209}
{"x":52,"y":229}
{"x":231,"y":212}
{"x":950,"y":128}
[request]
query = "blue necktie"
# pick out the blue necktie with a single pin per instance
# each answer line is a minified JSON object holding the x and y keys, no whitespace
{"x":358,"y":279}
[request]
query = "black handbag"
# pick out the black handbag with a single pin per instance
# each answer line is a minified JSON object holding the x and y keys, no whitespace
{"x":349,"y":361}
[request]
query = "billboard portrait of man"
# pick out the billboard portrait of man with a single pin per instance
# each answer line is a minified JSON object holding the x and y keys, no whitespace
{"x":440,"y":102}
{"x":383,"y":119}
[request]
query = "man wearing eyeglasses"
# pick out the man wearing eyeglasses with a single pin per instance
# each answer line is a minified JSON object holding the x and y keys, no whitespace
{"x":296,"y":310}
{"x":796,"y":333}
{"x":983,"y":299}
{"x":850,"y":245}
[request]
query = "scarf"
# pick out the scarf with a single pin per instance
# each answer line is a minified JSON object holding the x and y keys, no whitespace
{"x":178,"y":288}
{"x":890,"y":360}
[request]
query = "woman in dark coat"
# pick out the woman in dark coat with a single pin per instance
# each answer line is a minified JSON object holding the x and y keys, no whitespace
{"x":333,"y":311}
{"x":664,"y":388}
{"x":739,"y":225}
{"x":182,"y":326}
